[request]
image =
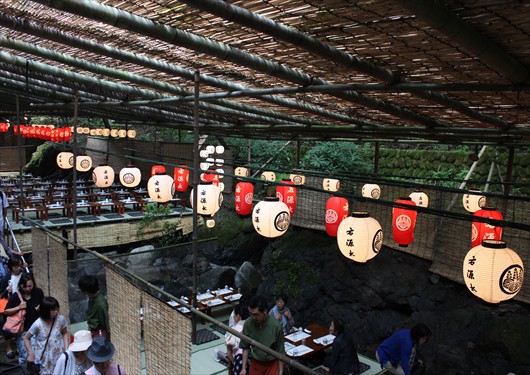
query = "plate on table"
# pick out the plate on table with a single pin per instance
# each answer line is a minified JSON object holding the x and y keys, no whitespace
{"x":184,"y":310}
{"x":215,"y":302}
{"x":287,"y":345}
{"x":203,"y":296}
{"x":233,"y":297}
{"x":298,"y":351}
{"x":325,"y":340}
{"x":297,"y":336}
{"x":173,"y":304}
{"x":223,"y":291}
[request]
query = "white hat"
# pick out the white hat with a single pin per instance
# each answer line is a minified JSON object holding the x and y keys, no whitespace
{"x":82,"y":340}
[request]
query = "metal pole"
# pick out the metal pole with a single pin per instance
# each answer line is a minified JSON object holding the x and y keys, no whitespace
{"x":74,"y":175}
{"x":19,"y":138}
{"x":194,"y":237}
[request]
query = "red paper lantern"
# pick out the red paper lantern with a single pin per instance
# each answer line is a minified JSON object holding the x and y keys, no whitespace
{"x":158,"y":169}
{"x":484,"y":231}
{"x":210,"y":177}
{"x":403,"y":222}
{"x":244,"y":193}
{"x":337,"y":209}
{"x":67,"y":134}
{"x":287,"y":194}
{"x":181,"y":177}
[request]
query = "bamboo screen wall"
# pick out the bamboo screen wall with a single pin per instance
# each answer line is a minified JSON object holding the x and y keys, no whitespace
{"x":50,"y":268}
{"x":443,"y":240}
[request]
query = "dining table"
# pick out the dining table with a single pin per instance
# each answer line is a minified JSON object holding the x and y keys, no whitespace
{"x":308,"y":341}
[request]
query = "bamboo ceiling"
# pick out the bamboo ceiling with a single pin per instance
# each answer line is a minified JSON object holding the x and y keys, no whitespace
{"x":452,"y":72}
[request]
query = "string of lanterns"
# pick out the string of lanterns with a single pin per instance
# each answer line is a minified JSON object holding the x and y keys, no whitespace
{"x":64,"y":134}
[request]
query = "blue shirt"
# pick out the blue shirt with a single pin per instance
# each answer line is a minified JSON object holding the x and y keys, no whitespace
{"x":397,"y":349}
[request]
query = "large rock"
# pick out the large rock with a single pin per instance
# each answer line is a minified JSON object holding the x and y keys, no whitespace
{"x":216,"y":277}
{"x":140,"y":256}
{"x":247,"y":278}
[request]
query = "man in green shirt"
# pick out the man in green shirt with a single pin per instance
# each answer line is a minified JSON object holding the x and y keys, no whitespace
{"x":98,"y":308}
{"x":267,"y":331}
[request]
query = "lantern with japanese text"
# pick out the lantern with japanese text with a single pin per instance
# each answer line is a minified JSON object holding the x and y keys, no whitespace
{"x":103,"y":176}
{"x":157,"y":169}
{"x":268,"y":176}
{"x":83,"y":163}
{"x":131,"y":133}
{"x":331,"y":184}
{"x":122,"y":133}
{"x":209,"y":197}
{"x":493,"y":272}
{"x":420,"y":198}
{"x":484,"y":231}
{"x":130,"y":176}
{"x":297,"y":179}
{"x":287,"y":194}
{"x":244,"y":193}
{"x":371,"y":191}
{"x":161,"y":187}
{"x":473,"y":201}
{"x":270,"y":217}
{"x":403,"y":222}
{"x":210,"y":177}
{"x":360,"y":237}
{"x":337,"y":209}
{"x":65,"y":160}
{"x":182,"y":176}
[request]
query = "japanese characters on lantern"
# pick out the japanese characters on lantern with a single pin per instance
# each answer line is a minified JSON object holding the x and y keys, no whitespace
{"x":181,"y":177}
{"x":270,"y":217}
{"x":493,"y":272}
{"x":420,"y":198}
{"x":103,"y":176}
{"x":360,"y":237}
{"x":473,"y":201}
{"x":244,"y":194}
{"x":287,"y":194}
{"x":484,"y":231}
{"x":337,"y":209}
{"x":65,"y":160}
{"x":209,"y":197}
{"x":330,"y":184}
{"x":161,"y":187}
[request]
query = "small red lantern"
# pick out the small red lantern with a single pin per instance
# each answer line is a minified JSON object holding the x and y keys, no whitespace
{"x":287,"y":194}
{"x":210,"y":177}
{"x":403,"y":222}
{"x":158,"y":169}
{"x":181,"y":176}
{"x":484,"y":231}
{"x":337,"y":209}
{"x":244,"y":193}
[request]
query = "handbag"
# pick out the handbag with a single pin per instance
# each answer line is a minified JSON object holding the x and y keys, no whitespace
{"x":15,"y":323}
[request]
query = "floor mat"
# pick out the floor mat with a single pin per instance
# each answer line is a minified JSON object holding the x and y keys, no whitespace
{"x":87,"y":218}
{"x":135,"y":214}
{"x":219,"y":329}
{"x":113,"y":216}
{"x":204,"y":335}
{"x":60,"y":221}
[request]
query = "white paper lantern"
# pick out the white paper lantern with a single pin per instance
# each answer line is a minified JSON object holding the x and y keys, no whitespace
{"x":268,"y":176}
{"x":130,"y":176}
{"x":242,"y":171}
{"x":210,"y":149}
{"x":219,"y":162}
{"x":473,"y":201}
{"x":271,"y":217}
{"x":209,"y":197}
{"x":371,"y":191}
{"x":211,"y":161}
{"x":106,"y":132}
{"x":122,"y":133}
{"x":131,"y":133}
{"x":203,"y":154}
{"x":114,"y":133}
{"x":83,"y":163}
{"x":79,"y":130}
{"x":204,"y":166}
{"x":221,"y":172}
{"x":65,"y":160}
{"x":103,"y":176}
{"x":99,"y":132}
{"x":92,"y":132}
{"x":210,"y":223}
{"x":360,"y":237}
{"x":219,"y":149}
{"x":161,"y":188}
{"x":221,"y":186}
{"x":86,"y":130}
{"x":420,"y":198}
{"x":331,"y":184}
{"x":493,"y":272}
{"x":297,"y":179}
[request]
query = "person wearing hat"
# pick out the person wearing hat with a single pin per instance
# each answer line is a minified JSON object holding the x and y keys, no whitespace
{"x":100,"y":353}
{"x":75,"y":361}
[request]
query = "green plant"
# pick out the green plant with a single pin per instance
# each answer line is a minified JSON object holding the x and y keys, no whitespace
{"x":154,"y":214}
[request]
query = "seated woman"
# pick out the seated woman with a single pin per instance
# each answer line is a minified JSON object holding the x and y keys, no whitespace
{"x":343,"y":359}
{"x":282,"y":313}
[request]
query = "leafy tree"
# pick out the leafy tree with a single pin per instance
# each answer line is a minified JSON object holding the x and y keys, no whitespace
{"x":338,"y":157}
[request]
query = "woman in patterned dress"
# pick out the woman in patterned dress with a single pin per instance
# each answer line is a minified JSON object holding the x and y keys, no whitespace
{"x":51,"y":324}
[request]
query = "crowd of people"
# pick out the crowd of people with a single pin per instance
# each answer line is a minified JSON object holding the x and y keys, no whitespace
{"x":253,"y":318}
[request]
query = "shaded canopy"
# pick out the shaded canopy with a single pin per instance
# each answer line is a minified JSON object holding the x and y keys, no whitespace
{"x":369,"y":70}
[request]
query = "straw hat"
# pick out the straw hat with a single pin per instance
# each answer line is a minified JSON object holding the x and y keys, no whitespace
{"x":82,"y":340}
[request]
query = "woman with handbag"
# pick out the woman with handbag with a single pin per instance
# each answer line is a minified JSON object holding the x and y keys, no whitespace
{"x":51,"y":338}
{"x":9,"y":286}
{"x":30,"y":301}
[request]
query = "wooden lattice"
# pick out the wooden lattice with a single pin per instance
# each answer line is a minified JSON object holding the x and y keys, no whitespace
{"x":167,"y":338}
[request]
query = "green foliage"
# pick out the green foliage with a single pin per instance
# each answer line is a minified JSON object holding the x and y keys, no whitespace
{"x":290,"y":276}
{"x":154,"y":215}
{"x":338,"y":157}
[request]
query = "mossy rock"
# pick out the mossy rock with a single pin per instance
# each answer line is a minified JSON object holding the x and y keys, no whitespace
{"x":401,"y":163}
{"x":443,"y":157}
{"x":408,"y":162}
{"x":525,"y":160}
{"x":450,"y":158}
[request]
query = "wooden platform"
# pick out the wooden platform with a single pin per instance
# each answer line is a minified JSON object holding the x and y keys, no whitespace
{"x":107,"y":229}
